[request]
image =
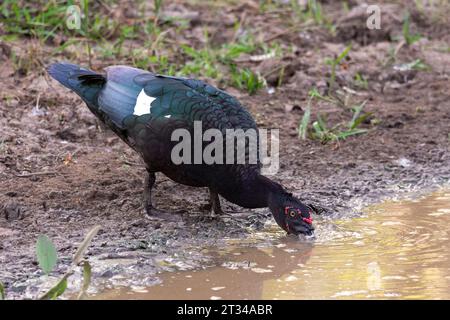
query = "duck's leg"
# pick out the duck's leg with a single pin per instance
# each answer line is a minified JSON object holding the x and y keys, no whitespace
{"x":216,"y":209}
{"x":150,"y":210}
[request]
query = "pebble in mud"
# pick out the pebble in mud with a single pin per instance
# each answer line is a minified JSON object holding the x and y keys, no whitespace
{"x":217,"y":288}
{"x":12,"y":211}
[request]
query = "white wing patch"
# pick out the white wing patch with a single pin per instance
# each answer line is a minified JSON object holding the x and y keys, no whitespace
{"x":143,"y":104}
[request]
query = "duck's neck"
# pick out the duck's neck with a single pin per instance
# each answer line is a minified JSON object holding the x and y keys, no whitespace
{"x":258,"y":192}
{"x":275,"y":196}
{"x":266,"y":190}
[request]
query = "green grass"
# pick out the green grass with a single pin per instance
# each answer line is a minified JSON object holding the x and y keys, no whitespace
{"x":321,"y":130}
{"x":312,"y":11}
{"x":219,"y":63}
{"x":33,"y":20}
{"x":201,"y":62}
{"x":2,"y":292}
{"x":409,"y":37}
{"x":142,"y":43}
{"x":417,"y":65}
{"x":47,"y":19}
{"x":247,"y":80}
{"x":360,"y":81}
{"x":325,"y":134}
{"x":307,"y":14}
{"x":334,"y":63}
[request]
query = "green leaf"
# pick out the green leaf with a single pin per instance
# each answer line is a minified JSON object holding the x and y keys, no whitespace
{"x":356,"y":119}
{"x":414,"y":65}
{"x":2,"y":292}
{"x":322,"y":123}
{"x":409,"y":38}
{"x":419,"y":65}
{"x":343,"y":54}
{"x":86,"y":280}
{"x":46,"y":253}
{"x":57,"y":290}
{"x":61,"y":286}
{"x":313,"y":93}
{"x":361,"y":119}
{"x":190,"y":51}
{"x":318,"y":130}
{"x":303,"y":128}
{"x":329,"y":61}
{"x":345,"y":134}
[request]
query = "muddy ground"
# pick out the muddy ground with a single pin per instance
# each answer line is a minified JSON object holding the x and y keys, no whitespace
{"x":61,"y":172}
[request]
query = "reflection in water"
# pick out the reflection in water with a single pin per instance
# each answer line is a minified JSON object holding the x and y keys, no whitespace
{"x":398,"y":250}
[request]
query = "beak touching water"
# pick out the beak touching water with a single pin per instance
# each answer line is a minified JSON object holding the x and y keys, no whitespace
{"x":302,"y":227}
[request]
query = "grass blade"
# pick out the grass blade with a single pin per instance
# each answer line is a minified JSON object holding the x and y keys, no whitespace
{"x":87,"y":270}
{"x":77,"y":258}
{"x":2,"y":292}
{"x":346,"y":134}
{"x":356,"y":119}
{"x":322,"y":123}
{"x":343,"y":54}
{"x":303,"y":127}
{"x":318,"y":131}
{"x":360,"y":120}
{"x":57,"y":290}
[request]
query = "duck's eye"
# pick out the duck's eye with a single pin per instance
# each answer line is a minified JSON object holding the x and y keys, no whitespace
{"x":292,"y":213}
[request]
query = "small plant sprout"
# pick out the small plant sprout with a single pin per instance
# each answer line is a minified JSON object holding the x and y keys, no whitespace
{"x":248,"y":80}
{"x":334,"y":63}
{"x":408,"y":37}
{"x":87,"y":272}
{"x":309,"y":11}
{"x":47,"y":258}
{"x":360,"y":81}
{"x":322,"y":131}
{"x":417,"y":64}
{"x":315,"y":11}
{"x":158,"y":5}
{"x":358,"y":118}
{"x":303,"y":126}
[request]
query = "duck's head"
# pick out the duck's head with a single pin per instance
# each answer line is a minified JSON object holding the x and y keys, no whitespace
{"x":291,"y":214}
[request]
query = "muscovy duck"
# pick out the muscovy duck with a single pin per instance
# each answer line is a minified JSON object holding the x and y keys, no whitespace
{"x":144,"y":108}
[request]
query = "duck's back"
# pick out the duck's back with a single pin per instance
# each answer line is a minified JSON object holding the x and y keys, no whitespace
{"x":150,"y":107}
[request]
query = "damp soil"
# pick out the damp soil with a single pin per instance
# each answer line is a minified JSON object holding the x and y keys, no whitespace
{"x":62,"y":172}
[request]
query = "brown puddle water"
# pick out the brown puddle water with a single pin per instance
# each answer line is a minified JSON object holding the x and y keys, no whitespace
{"x":396,"y":250}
